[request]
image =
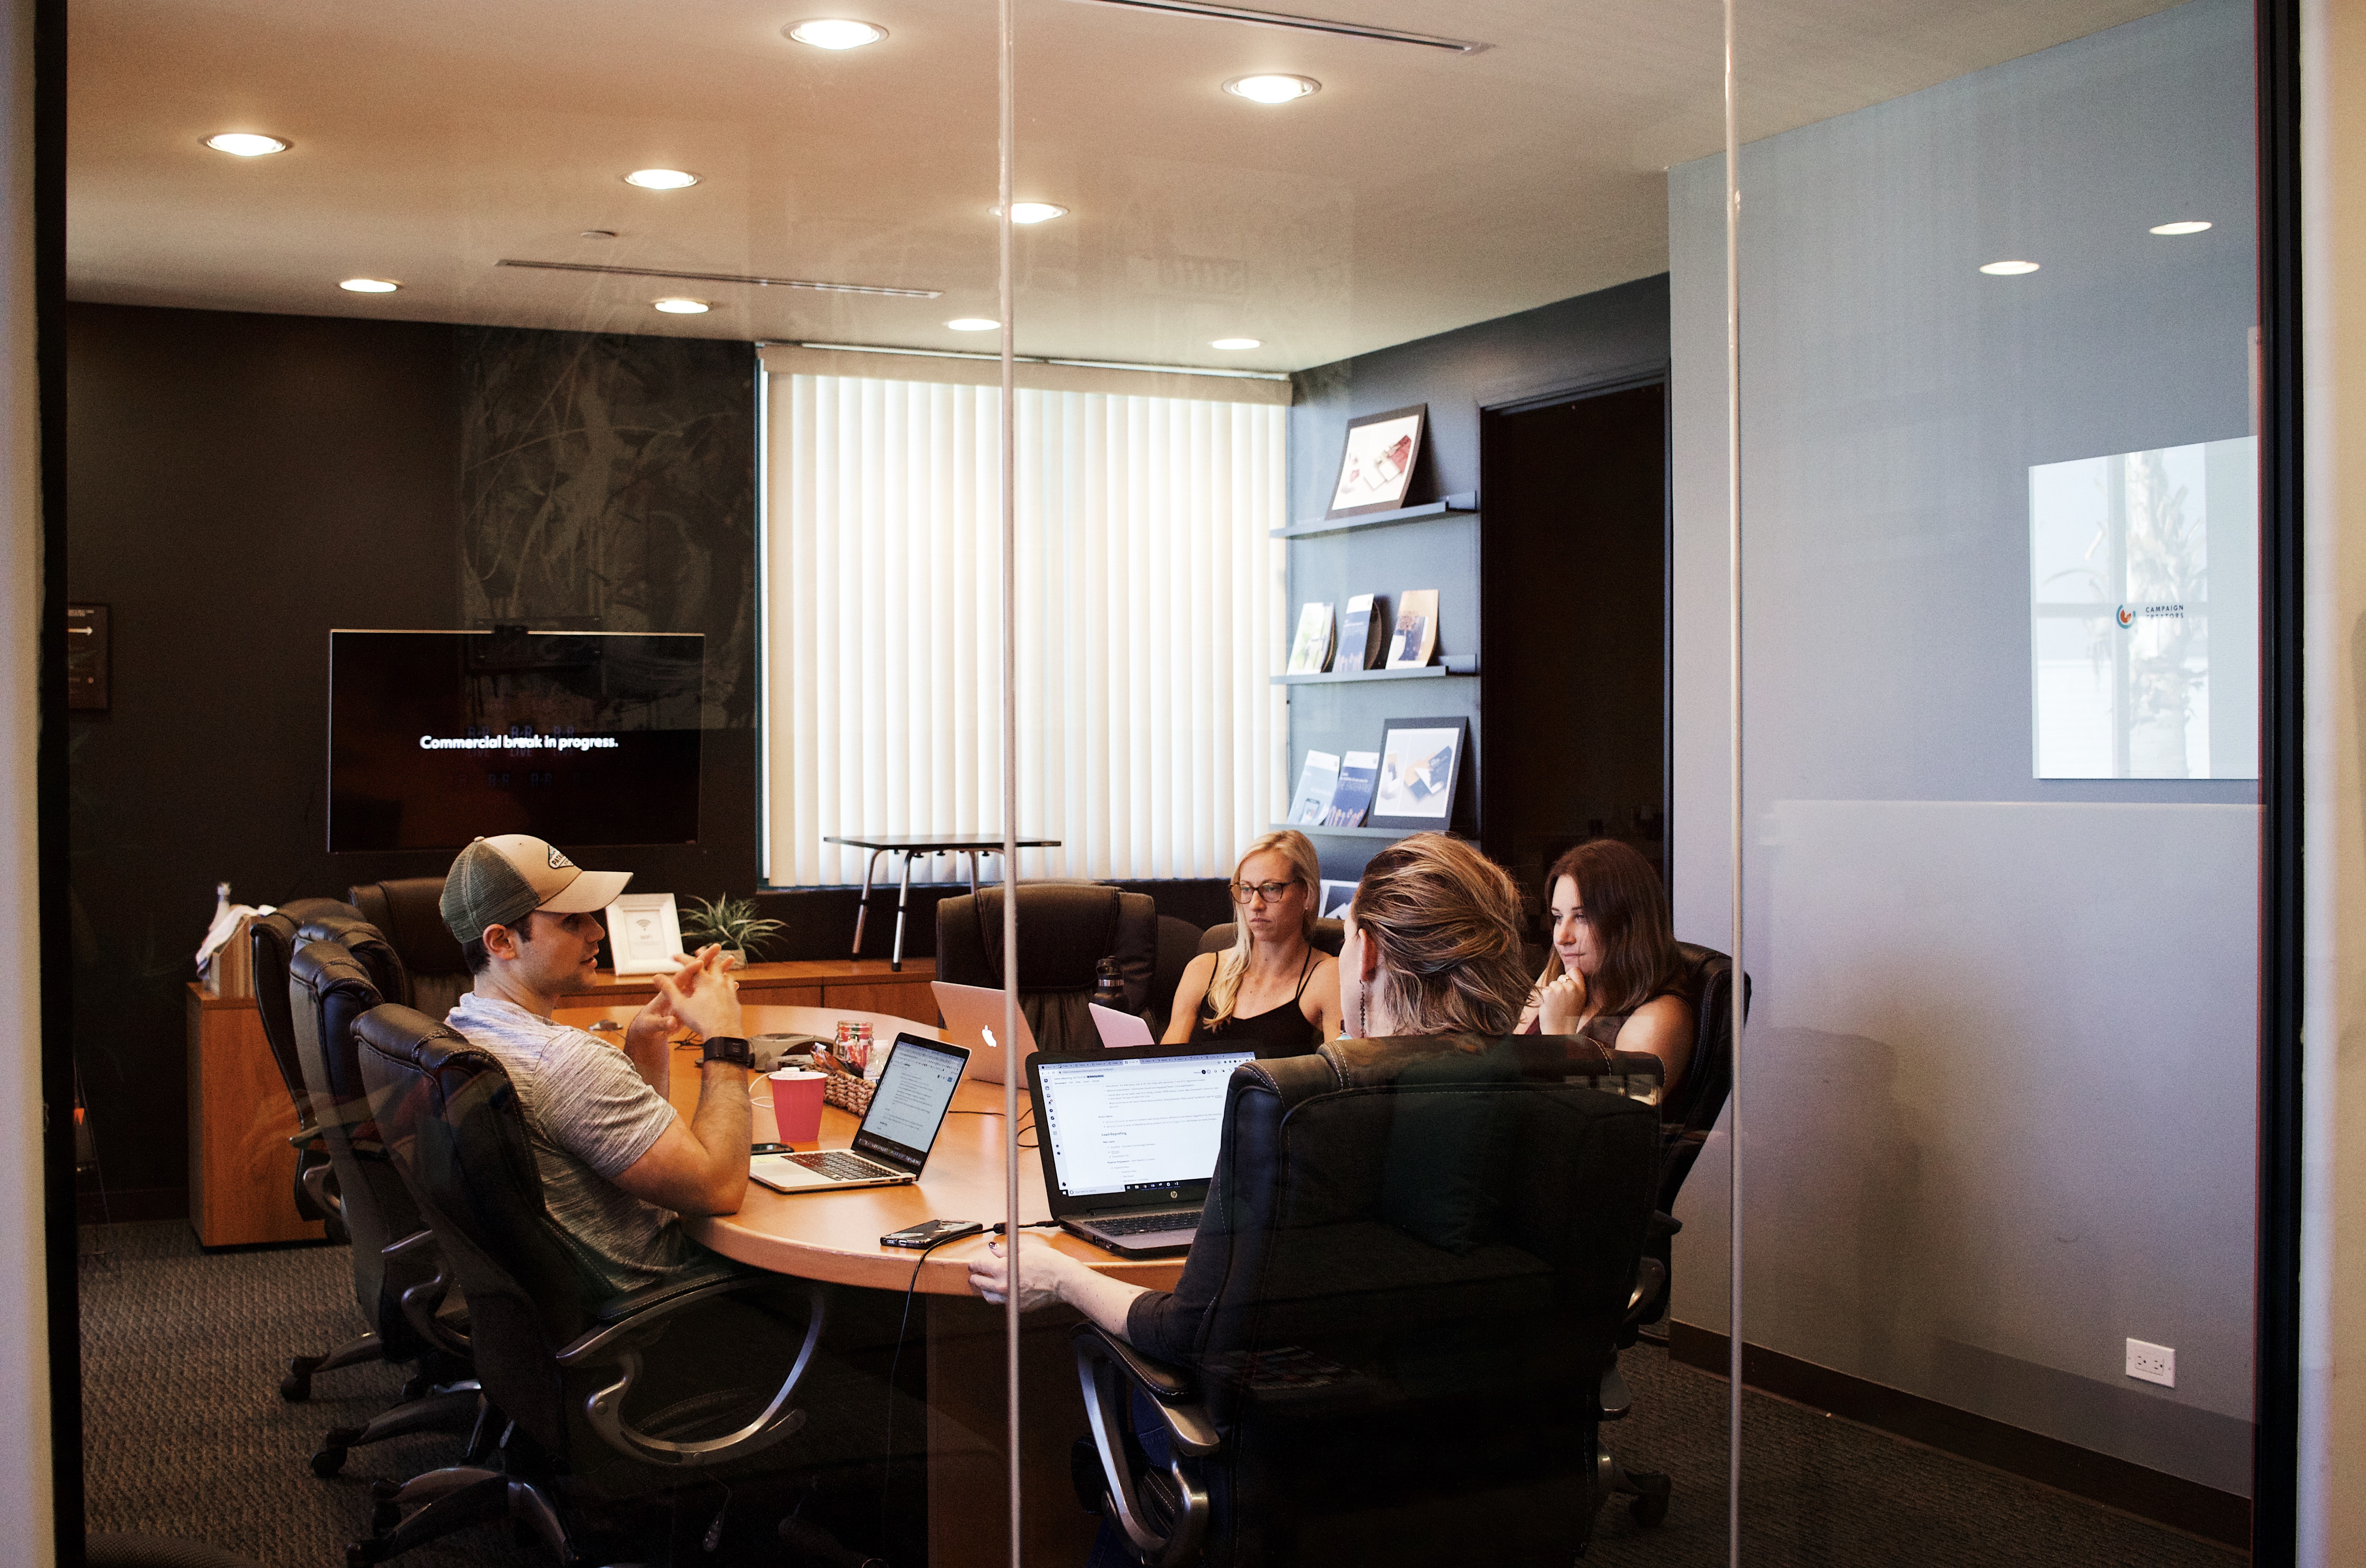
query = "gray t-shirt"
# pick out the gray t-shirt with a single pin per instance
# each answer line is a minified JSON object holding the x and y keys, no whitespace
{"x":589,"y":1115}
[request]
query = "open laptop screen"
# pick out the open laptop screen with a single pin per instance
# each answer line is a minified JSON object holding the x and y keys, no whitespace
{"x":1148,"y":1122}
{"x":915,"y":1090}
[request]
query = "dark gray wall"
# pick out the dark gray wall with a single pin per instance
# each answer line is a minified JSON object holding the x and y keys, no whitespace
{"x":1590,"y":340}
{"x":240,"y":484}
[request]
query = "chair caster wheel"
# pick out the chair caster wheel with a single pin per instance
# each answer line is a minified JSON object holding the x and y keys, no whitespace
{"x":384,"y":1491}
{"x":331,"y":1456}
{"x":416,"y":1388}
{"x":384,"y":1516}
{"x":1649,"y":1508}
{"x":296,"y":1386}
{"x":359,"y":1555}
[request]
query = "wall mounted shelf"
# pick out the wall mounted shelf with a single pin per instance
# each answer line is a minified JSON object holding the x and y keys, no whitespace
{"x":1313,"y":832}
{"x":1464,"y":505}
{"x":1423,"y":672}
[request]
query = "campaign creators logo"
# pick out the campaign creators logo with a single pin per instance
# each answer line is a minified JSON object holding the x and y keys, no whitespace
{"x":2129,"y":614}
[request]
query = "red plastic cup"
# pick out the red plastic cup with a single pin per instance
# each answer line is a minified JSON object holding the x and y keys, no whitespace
{"x":797,"y":1097}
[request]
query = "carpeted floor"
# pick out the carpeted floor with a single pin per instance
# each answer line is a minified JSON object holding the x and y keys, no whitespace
{"x":186,"y":1436}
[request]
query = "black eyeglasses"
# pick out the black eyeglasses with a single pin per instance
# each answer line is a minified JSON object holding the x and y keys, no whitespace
{"x":1249,"y":891}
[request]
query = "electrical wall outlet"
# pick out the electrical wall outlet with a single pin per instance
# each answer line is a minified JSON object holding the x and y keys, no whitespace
{"x":2152,"y":1363}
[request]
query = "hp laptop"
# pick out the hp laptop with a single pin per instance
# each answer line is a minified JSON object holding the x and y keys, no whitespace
{"x":916,"y":1088}
{"x":1130,"y":1140}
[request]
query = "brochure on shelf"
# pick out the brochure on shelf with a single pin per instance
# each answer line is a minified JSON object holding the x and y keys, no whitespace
{"x":1317,"y":779}
{"x":1358,"y":771}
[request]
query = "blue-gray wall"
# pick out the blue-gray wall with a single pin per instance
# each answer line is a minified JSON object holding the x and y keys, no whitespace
{"x":2003,"y":1052}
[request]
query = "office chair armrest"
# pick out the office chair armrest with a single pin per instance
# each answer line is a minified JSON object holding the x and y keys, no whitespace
{"x":1105,"y":1370}
{"x":1651,"y":1284}
{"x":619,"y":1338}
{"x":307,"y":1138}
{"x":319,"y":1186}
{"x":1163,"y":1381}
{"x":422,"y":1299}
{"x":632,"y":1303}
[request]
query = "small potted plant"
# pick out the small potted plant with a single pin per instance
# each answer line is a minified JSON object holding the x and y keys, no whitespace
{"x":735,"y":923}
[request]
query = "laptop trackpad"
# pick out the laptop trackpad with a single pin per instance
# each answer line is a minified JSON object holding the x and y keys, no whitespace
{"x":779,"y":1171}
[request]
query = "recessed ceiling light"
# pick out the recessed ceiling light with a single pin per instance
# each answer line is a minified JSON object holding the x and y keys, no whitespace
{"x":1030,"y":211}
{"x":2009,"y":268}
{"x":599,"y":234}
{"x":1230,"y":343}
{"x":680,"y":306}
{"x":2190,"y":226}
{"x":1272,"y":89}
{"x":834,"y":32}
{"x":660,"y":179}
{"x":245,"y":144}
{"x":369,"y":285}
{"x":972,"y":325}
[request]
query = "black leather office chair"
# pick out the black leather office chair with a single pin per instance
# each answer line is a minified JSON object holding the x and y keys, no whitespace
{"x":1415,"y":1263}
{"x":560,"y":1365}
{"x":1179,"y":943}
{"x":399,"y":1294}
{"x":1328,"y":935}
{"x":1686,"y":1119}
{"x":272,"y":942}
{"x":1066,"y":928}
{"x":1699,"y":1098}
{"x":409,"y":911}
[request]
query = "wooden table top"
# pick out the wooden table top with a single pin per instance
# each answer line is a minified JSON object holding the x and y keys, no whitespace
{"x":835,"y":1236}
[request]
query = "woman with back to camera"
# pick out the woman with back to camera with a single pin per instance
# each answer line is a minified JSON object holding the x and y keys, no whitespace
{"x":1432,"y":947}
{"x":1615,"y":976}
{"x":1273,"y":988}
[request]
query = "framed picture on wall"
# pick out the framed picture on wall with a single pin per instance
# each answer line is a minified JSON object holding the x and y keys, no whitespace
{"x":1420,"y":760}
{"x":1375,"y":467}
{"x":1336,"y":896}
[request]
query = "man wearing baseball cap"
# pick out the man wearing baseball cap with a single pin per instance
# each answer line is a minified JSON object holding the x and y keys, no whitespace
{"x":618,"y":1164}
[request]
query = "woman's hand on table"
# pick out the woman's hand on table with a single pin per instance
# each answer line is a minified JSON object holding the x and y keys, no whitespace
{"x":1041,"y":1268}
{"x":1047,"y":1275}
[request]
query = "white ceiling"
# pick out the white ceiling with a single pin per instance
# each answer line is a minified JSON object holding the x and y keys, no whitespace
{"x":1418,"y":191}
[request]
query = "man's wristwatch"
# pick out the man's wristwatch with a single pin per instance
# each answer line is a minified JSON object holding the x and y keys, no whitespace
{"x":726,"y":1048}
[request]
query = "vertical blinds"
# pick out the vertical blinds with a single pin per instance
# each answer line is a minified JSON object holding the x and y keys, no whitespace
{"x":1150,"y":610}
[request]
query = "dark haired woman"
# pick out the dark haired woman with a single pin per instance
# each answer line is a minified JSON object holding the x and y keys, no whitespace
{"x":1615,"y":975}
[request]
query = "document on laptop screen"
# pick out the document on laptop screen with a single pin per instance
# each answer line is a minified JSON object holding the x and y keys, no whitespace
{"x":1135,"y":1121}
{"x":912,"y":1095}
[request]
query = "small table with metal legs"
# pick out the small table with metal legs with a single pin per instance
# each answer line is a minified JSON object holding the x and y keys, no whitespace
{"x":911,"y":844}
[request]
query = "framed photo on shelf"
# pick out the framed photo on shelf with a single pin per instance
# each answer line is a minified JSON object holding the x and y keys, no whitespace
{"x":1336,"y":896}
{"x":1420,"y":760}
{"x":1375,"y":467}
{"x":644,"y":933}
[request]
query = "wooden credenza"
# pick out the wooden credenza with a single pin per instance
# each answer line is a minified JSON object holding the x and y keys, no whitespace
{"x":243,"y":1170}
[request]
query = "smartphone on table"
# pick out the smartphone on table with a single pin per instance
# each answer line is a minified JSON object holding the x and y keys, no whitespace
{"x":928,"y":1233}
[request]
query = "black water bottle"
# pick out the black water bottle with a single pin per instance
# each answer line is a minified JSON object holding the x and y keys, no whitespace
{"x":1109,"y":985}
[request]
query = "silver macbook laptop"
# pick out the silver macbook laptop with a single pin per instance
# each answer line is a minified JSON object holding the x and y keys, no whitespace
{"x":974,"y":1017}
{"x":1130,"y":1140}
{"x":916,"y":1088}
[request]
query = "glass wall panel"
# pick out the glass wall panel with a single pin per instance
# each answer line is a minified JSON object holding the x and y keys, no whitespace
{"x":472,"y":357}
{"x":1999,"y":813}
{"x":1343,"y":390}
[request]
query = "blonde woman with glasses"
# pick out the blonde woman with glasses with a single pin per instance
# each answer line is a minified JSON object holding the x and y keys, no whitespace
{"x":1273,"y":988}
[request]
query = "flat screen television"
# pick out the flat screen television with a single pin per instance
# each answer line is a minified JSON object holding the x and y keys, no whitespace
{"x":586,"y":739}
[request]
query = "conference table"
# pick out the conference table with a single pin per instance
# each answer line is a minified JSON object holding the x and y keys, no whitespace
{"x":834,"y":1237}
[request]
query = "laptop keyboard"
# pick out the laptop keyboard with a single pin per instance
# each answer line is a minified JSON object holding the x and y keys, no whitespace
{"x":840,"y":1166}
{"x":1142,"y":1225}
